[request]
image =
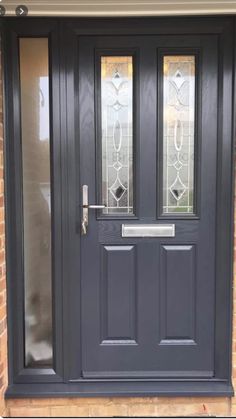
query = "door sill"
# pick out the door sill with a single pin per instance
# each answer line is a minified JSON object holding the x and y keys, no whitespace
{"x":214,"y":387}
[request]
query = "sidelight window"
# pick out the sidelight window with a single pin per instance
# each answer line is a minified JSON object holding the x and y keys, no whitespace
{"x":36,"y":185}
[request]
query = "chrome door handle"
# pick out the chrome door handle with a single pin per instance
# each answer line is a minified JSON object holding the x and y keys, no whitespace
{"x":84,"y":227}
{"x":86,"y":207}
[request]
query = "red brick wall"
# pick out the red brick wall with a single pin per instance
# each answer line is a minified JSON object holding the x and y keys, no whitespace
{"x":148,"y":406}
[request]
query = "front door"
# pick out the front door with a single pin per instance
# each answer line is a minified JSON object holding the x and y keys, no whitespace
{"x":148,"y":150}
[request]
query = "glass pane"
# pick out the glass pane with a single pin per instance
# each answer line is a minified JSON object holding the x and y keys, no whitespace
{"x":178,"y":144}
{"x":34,"y":80}
{"x":117,"y":134}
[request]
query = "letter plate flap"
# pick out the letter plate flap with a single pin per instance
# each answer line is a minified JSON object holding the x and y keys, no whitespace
{"x":148,"y":230}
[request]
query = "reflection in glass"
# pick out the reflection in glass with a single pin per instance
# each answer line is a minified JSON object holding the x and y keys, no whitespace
{"x":117,"y":134}
{"x":178,"y":144}
{"x":34,"y":80}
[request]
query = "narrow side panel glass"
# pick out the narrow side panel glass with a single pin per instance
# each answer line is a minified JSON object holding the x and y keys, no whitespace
{"x":34,"y":83}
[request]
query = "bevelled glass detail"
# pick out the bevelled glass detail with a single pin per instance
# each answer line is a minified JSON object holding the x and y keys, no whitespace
{"x":117,"y":134}
{"x":178,"y":130}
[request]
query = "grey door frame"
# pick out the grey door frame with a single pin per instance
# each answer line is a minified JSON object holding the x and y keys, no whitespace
{"x":63,"y":35}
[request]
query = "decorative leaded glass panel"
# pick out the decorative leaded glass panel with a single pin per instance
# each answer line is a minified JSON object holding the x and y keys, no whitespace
{"x":178,"y":142}
{"x":117,"y":134}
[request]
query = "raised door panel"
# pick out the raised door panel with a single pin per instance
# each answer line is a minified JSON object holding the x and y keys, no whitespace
{"x":177,"y":294}
{"x":118,"y":294}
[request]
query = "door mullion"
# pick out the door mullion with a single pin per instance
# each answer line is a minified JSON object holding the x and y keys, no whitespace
{"x":147,"y":138}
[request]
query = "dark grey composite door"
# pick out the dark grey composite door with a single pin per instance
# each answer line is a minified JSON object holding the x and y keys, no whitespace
{"x":148,"y":152}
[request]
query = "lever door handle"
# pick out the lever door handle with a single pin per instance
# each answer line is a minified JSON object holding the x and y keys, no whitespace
{"x":86,"y":207}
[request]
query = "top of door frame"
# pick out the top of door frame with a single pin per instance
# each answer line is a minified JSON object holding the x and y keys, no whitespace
{"x":124,"y":7}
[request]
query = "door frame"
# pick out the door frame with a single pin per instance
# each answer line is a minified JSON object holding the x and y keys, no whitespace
{"x":63,"y":34}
